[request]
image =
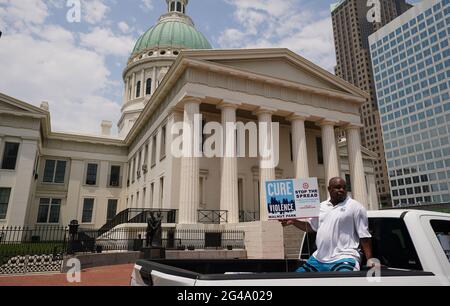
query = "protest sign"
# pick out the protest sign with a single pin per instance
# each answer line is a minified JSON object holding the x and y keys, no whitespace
{"x":293,"y":199}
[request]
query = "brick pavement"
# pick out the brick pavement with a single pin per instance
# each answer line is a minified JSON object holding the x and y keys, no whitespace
{"x":103,"y":276}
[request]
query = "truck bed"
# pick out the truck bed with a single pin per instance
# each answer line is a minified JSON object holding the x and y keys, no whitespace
{"x":256,"y":272}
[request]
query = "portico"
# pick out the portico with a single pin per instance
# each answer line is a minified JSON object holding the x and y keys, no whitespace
{"x":304,"y":111}
{"x":190,"y":166}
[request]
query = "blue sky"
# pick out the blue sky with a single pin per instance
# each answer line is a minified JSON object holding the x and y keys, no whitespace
{"x":77,"y":67}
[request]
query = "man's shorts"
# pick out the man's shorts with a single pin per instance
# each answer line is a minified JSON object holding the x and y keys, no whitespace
{"x":343,"y":265}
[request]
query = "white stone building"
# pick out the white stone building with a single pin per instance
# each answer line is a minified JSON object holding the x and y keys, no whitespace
{"x":173,"y":74}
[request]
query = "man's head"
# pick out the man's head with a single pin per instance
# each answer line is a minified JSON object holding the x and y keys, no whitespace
{"x":338,"y":190}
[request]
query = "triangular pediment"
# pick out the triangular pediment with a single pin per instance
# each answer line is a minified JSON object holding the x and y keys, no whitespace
{"x":11,"y":105}
{"x":280,"y":64}
{"x":281,"y":69}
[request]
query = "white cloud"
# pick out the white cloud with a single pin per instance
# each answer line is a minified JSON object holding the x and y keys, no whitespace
{"x":124,"y":27}
{"x":94,"y":11}
{"x":105,"y":42}
{"x":147,"y":5}
{"x":70,"y":78}
{"x":281,"y":24}
{"x":21,"y":14}
{"x":70,"y":70}
{"x":46,"y":62}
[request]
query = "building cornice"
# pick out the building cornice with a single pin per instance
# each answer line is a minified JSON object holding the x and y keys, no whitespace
{"x":199,"y":59}
{"x":272,"y":53}
{"x":273,"y":81}
{"x":86,"y":139}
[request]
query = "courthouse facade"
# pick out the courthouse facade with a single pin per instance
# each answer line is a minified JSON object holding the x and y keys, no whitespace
{"x":172,"y":75}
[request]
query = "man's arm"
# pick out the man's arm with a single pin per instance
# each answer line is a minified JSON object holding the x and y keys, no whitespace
{"x":366,"y":244}
{"x":301,"y":225}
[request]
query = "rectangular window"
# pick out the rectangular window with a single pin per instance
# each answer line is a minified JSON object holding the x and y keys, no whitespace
{"x":319,"y":147}
{"x":139,"y":167}
{"x":54,"y":171}
{"x":133,"y":174}
{"x":161,"y":192}
{"x":10,"y":156}
{"x":152,"y":193}
{"x":154,"y":151}
{"x":291,"y":147}
{"x":442,"y":230}
{"x":146,"y":155}
{"x":4,"y":201}
{"x":348,"y":180}
{"x":91,"y":174}
{"x":114,"y":178}
{"x":163,"y":143}
{"x":88,"y":211}
{"x":112,"y":210}
{"x":49,"y":210}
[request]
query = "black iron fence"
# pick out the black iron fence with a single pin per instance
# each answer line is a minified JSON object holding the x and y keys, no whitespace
{"x":138,"y":215}
{"x":212,"y":216}
{"x":22,"y":241}
{"x":248,"y":216}
{"x":134,"y":239}
{"x":56,"y":241}
{"x":210,"y":239}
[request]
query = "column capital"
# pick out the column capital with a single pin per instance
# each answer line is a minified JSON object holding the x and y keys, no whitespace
{"x":353,"y":126}
{"x":298,"y":116}
{"x":175,"y":110}
{"x":265,"y":111}
{"x":228,"y":104}
{"x":327,"y":122}
{"x":187,"y":100}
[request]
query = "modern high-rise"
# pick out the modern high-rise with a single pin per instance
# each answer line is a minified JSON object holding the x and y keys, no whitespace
{"x":351,"y":32}
{"x":411,"y":61}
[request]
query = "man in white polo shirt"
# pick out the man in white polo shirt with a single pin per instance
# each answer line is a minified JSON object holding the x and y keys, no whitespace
{"x":341,"y":229}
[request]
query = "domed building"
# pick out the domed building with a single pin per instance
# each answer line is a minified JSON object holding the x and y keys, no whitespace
{"x":173,"y":77}
{"x":154,"y":53}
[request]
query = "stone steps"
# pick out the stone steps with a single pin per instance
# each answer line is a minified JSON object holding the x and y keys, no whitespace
{"x":293,"y":238}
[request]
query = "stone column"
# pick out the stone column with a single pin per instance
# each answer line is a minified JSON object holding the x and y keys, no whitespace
{"x":330,"y":156}
{"x":229,"y":199}
{"x":359,"y":188}
{"x":173,"y":163}
{"x":299,"y":146}
{"x":190,"y":168}
{"x":127,"y":87}
{"x":372,"y":193}
{"x":266,"y":173}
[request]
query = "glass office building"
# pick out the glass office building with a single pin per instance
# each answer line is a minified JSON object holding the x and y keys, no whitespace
{"x":411,"y":62}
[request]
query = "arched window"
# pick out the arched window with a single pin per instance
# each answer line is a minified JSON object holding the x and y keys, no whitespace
{"x":172,"y":6}
{"x":148,"y":87}
{"x":184,"y":9}
{"x":179,"y":7}
{"x":138,"y":89}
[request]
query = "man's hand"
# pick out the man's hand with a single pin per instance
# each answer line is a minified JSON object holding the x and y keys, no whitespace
{"x":374,"y":263}
{"x":301,"y":225}
{"x":287,"y":222}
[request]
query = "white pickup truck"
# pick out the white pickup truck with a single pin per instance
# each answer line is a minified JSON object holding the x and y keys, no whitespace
{"x":413,"y":246}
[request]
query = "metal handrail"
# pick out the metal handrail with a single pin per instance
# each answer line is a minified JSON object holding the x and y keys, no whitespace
{"x":137,"y":215}
{"x":212,"y":216}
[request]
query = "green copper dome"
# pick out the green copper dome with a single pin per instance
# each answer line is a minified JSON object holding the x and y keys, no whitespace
{"x":172,"y":34}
